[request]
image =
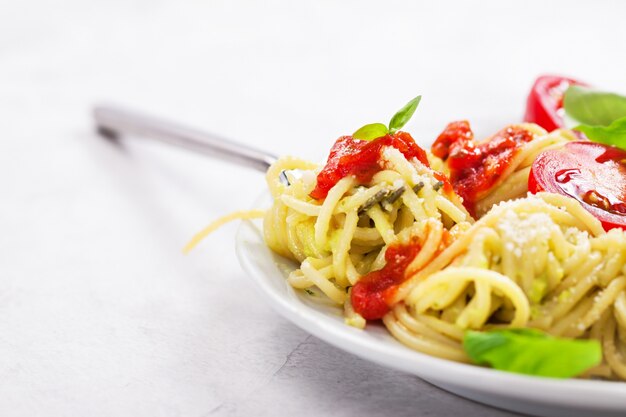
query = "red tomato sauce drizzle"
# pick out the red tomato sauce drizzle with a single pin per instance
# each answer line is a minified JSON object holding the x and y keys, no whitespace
{"x":476,"y":167}
{"x":361,"y":158}
{"x":372,"y":294}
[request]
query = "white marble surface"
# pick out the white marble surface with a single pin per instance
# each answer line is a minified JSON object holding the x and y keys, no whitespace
{"x":100,"y":314}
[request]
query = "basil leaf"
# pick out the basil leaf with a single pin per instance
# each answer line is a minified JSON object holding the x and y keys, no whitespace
{"x":371,"y":131}
{"x":613,"y":134}
{"x":404,"y":115}
{"x":592,"y":107}
{"x":532,"y":352}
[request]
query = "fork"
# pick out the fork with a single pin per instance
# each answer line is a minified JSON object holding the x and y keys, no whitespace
{"x":113,"y":122}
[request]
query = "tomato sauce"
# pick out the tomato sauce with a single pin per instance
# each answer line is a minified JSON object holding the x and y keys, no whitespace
{"x":476,"y":167}
{"x":447,"y":185}
{"x":372,"y":294}
{"x":362,"y":158}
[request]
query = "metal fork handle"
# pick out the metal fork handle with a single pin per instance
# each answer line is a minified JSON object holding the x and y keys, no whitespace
{"x":113,"y":121}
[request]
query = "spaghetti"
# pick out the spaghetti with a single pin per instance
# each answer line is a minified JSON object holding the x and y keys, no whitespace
{"x":540,"y":262}
{"x":387,"y":237}
{"x":537,"y":262}
{"x":345,"y":236}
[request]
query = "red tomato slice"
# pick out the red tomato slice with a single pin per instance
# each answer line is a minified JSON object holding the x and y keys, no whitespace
{"x":592,"y":173}
{"x":545,"y":101}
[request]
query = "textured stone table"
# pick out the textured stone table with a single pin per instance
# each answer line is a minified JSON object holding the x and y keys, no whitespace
{"x":100,"y":313}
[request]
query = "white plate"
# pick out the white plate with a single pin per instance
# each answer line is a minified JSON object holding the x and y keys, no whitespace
{"x":532,"y":395}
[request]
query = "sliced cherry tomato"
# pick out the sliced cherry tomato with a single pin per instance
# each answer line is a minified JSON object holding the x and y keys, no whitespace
{"x":592,"y":173}
{"x":545,"y":101}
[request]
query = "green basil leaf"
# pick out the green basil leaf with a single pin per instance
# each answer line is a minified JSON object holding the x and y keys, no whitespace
{"x":613,"y":134}
{"x":404,"y":115}
{"x":532,"y":352}
{"x":371,"y":131}
{"x":592,"y":107}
